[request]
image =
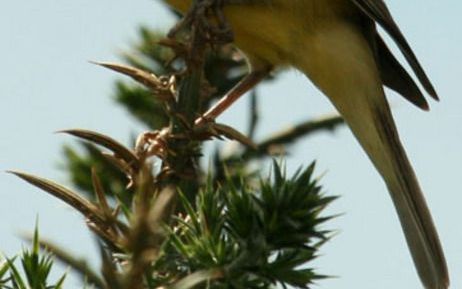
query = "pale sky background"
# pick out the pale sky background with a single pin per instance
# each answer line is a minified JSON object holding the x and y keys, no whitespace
{"x":46,"y":84}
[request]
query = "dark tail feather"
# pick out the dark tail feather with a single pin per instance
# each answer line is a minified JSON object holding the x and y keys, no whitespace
{"x":417,"y":223}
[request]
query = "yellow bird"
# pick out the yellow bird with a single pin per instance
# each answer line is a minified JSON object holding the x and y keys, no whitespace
{"x":335,"y":43}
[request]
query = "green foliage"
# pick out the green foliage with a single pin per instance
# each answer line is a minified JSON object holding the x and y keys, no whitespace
{"x":223,"y":69}
{"x":140,"y":103}
{"x":35,"y":267}
{"x":163,"y":221}
{"x":254,"y":237}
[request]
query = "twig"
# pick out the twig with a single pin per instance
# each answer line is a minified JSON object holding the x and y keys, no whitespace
{"x":254,"y":116}
{"x":292,"y":134}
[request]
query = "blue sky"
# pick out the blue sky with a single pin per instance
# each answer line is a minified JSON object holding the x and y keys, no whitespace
{"x":47,"y":84}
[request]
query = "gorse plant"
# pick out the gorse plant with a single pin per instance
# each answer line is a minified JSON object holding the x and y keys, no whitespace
{"x":163,"y":221}
{"x":34,"y":272}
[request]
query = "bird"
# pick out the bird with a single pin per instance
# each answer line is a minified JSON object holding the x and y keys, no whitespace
{"x":337,"y":45}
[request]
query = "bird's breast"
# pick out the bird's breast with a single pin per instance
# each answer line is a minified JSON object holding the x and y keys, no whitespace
{"x":269,"y":32}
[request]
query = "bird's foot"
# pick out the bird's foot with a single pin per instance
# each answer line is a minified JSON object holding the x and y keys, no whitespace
{"x":207,"y":16}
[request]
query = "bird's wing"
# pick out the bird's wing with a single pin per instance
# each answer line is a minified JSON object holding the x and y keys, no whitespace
{"x":395,"y":76}
{"x":378,"y":11}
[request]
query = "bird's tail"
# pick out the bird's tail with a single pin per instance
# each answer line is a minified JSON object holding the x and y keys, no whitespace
{"x":371,"y":121}
{"x":340,"y":62}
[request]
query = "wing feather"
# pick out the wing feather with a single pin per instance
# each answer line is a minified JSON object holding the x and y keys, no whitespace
{"x":378,"y":11}
{"x":396,"y":77}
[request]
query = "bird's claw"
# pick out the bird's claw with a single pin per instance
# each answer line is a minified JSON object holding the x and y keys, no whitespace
{"x":208,"y":16}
